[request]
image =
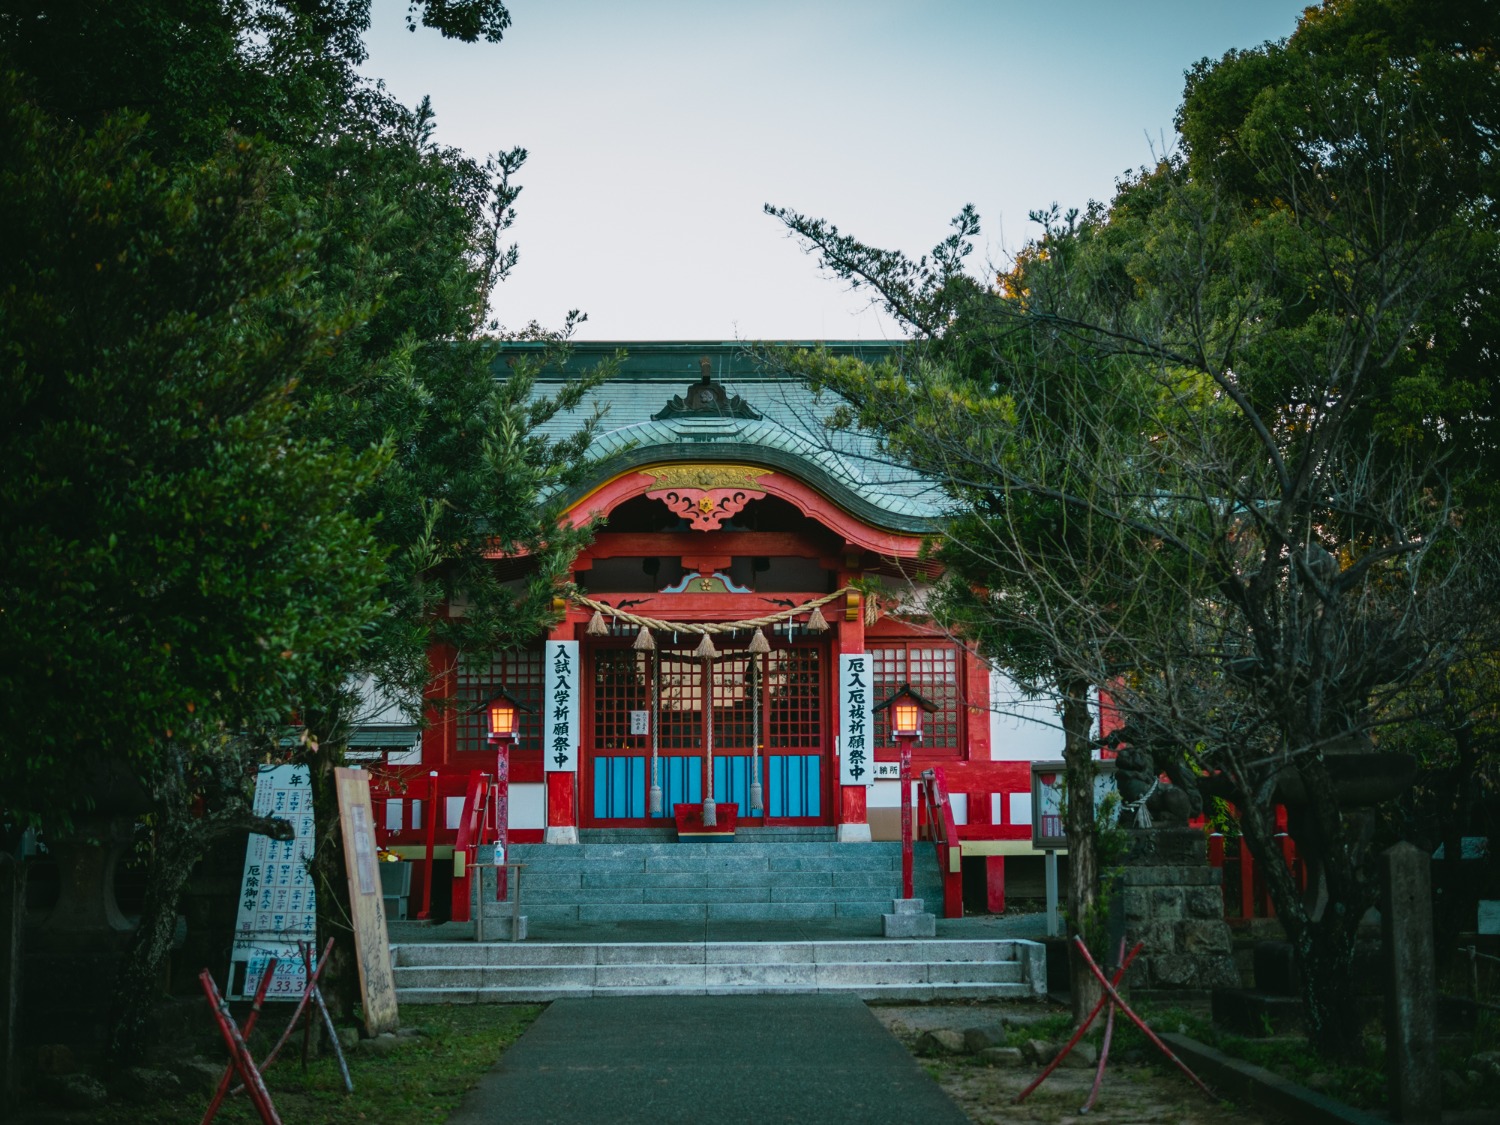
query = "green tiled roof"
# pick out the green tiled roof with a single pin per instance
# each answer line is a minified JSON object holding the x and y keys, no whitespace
{"x":788,"y":436}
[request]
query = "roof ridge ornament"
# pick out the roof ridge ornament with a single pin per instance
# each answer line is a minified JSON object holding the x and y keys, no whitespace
{"x":706,"y":398}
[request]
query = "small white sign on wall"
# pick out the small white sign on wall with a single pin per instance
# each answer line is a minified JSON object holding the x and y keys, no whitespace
{"x":640,"y":722}
{"x":887,"y":771}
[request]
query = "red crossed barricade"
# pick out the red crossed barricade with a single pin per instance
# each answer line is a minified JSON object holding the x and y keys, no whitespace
{"x":1112,"y":998}
{"x":242,"y":1063}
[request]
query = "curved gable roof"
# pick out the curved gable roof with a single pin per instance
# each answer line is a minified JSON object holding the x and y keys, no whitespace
{"x":761,"y":417}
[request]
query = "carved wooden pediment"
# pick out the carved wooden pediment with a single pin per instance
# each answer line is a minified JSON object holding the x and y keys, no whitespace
{"x":706,"y":495}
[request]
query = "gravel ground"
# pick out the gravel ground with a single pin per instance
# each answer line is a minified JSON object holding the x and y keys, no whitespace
{"x":1134,"y":1091}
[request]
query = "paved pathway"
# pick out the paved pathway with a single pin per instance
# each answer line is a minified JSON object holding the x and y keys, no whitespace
{"x":692,"y":1059}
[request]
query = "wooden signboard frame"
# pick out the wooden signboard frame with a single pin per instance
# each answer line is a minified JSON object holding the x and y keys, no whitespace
{"x":372,"y":947}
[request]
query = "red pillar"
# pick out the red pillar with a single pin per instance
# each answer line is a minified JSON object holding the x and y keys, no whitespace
{"x":994,"y":883}
{"x":853,"y":809}
{"x":562,"y":788}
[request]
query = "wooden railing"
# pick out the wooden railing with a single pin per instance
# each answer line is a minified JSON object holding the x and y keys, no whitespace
{"x":943,"y":831}
{"x":1246,"y":896}
{"x":473,"y":828}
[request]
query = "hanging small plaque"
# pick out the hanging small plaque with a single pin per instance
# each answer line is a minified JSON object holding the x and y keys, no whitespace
{"x":640,"y":722}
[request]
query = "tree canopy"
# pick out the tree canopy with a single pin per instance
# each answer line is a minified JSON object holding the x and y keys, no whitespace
{"x":256,"y":439}
{"x":1226,"y":444}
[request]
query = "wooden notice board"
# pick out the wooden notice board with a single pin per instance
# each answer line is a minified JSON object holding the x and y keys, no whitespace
{"x":372,"y":947}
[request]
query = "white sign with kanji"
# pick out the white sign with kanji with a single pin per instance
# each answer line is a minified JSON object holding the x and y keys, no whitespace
{"x":277,"y":907}
{"x":856,"y":719}
{"x":560,"y":706}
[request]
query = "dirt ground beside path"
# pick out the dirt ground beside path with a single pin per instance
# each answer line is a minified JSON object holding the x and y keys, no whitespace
{"x":1134,"y":1091}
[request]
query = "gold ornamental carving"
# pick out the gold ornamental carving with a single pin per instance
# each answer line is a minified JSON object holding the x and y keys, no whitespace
{"x":705,"y":477}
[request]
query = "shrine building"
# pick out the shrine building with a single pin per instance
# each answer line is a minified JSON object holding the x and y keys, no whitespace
{"x":742,"y":554}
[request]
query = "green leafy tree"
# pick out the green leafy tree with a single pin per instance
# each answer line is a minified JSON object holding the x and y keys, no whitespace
{"x":367,"y":254}
{"x":1258,"y":381}
{"x":178,"y":562}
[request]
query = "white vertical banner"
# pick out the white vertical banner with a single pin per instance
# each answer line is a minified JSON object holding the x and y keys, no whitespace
{"x":277,"y":906}
{"x":560,"y":731}
{"x":856,"y":720}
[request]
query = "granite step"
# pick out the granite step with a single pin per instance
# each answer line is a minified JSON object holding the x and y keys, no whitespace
{"x":874,"y":970}
{"x":761,"y":879}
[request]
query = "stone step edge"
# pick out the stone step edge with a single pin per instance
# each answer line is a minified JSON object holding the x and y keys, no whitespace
{"x":1017,"y":990}
{"x":687,"y":968}
{"x":920,"y":951}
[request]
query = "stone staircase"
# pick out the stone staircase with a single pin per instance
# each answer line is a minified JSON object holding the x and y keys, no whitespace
{"x":527,"y":972}
{"x":753,"y":878}
{"x":807,"y":882}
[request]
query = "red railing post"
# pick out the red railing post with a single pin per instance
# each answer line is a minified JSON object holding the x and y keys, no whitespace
{"x":1216,"y":861}
{"x":1247,"y":881}
{"x":906,"y":880}
{"x":470,"y":836}
{"x":432,"y":818}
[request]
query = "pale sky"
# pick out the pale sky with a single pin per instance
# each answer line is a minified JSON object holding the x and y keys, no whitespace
{"x":658,"y":128}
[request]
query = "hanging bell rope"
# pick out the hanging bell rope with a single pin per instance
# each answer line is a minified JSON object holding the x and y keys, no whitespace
{"x":706,"y":648}
{"x":759,"y":646}
{"x":706,"y":627}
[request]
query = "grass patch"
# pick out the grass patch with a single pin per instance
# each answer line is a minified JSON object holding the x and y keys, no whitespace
{"x":1361,"y":1083}
{"x":420,"y":1081}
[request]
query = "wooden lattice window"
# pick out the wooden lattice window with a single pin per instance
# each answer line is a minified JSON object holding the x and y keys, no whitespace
{"x":791,"y":709}
{"x":681,"y":700}
{"x":518,"y":671}
{"x":934,"y":670}
{"x":622,"y":684}
{"x":794,"y":689}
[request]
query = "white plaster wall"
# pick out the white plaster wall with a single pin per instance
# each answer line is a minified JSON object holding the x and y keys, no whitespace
{"x":959,"y":803}
{"x":528,"y":806}
{"x":1021,"y":729}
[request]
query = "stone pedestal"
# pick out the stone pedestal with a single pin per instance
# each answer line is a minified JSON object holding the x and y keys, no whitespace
{"x":498,"y":927}
{"x":907,"y":919}
{"x":1412,"y":1066}
{"x":1173,"y":903}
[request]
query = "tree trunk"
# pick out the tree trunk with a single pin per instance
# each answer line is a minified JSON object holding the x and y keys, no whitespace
{"x":12,"y":907}
{"x":138,"y":985}
{"x":182,"y":838}
{"x":1324,"y":946}
{"x":1083,"y":856}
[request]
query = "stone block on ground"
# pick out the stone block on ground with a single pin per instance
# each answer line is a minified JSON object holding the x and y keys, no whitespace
{"x":1002,"y":1056}
{"x":941,"y":1041}
{"x":908,"y":920}
{"x":977,"y":1039}
{"x":1083,"y":1055}
{"x":1038,"y":1051}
